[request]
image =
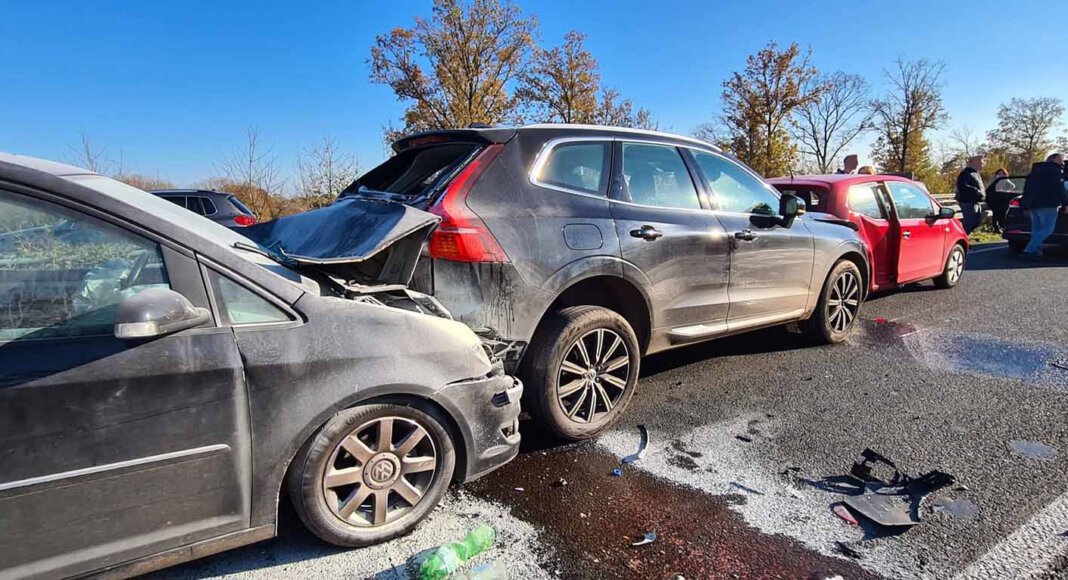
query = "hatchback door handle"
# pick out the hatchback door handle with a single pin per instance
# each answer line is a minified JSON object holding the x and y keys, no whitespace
{"x":648,"y":233}
{"x":746,"y":235}
{"x":906,"y":234}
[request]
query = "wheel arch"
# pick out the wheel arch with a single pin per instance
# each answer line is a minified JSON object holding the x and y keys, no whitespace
{"x":390,"y":394}
{"x":611,"y":291}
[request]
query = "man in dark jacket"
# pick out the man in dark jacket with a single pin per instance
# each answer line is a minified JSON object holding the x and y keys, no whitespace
{"x":970,"y":193}
{"x":1043,"y":195}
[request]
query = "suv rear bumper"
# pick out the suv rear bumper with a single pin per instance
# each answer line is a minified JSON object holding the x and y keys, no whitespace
{"x":490,"y":419}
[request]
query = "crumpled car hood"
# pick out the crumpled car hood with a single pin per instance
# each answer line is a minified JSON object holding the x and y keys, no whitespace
{"x":361,"y":241}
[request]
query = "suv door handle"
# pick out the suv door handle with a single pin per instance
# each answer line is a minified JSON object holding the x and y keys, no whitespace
{"x":647,"y":233}
{"x":746,"y":235}
{"x":906,"y":234}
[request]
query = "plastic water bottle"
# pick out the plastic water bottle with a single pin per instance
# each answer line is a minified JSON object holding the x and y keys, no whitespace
{"x":492,"y":570}
{"x":446,"y":559}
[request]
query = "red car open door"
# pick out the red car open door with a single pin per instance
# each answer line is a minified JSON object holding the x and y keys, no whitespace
{"x":868,"y":208}
{"x":921,"y":235}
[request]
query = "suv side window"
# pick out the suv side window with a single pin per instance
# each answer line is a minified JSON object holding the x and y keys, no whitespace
{"x":734,"y":188}
{"x":178,"y":200}
{"x":911,"y":203}
{"x":656,"y":175}
{"x":192,"y":203}
{"x":864,"y":199}
{"x":239,"y":306}
{"x":63,"y":273}
{"x":209,"y":206}
{"x":580,"y":166}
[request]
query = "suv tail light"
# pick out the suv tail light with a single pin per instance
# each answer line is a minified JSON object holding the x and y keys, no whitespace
{"x":244,"y":220}
{"x":462,"y":236}
{"x":1015,"y":202}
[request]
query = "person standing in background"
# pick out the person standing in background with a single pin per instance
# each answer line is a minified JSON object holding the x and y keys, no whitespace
{"x":1043,"y":194}
{"x":970,"y":194}
{"x":998,"y":196}
{"x":849,"y":165}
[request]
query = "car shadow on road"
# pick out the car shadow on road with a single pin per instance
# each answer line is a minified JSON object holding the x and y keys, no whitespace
{"x":1004,"y":259}
{"x":769,"y":340}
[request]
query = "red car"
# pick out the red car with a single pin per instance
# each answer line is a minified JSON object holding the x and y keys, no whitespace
{"x":910,"y":236}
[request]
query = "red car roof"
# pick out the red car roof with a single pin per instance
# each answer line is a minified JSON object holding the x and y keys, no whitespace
{"x":845,"y":179}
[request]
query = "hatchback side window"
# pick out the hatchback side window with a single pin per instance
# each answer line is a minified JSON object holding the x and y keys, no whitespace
{"x":656,"y":175}
{"x":911,"y":203}
{"x":240,"y":306}
{"x":63,"y":273}
{"x":734,"y":188}
{"x":579,"y":166}
{"x":864,"y":199}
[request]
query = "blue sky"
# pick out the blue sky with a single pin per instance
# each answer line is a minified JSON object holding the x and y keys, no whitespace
{"x":173,"y":85}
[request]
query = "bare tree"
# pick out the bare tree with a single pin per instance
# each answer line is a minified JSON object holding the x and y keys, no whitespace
{"x":825,"y":126}
{"x":911,"y":107}
{"x":253,"y":175}
{"x":88,"y":156}
{"x":964,"y":141}
{"x":324,"y":170}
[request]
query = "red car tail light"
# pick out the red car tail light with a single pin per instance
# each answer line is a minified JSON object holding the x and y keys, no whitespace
{"x":462,"y":236}
{"x":244,"y":220}
{"x":1015,"y":202}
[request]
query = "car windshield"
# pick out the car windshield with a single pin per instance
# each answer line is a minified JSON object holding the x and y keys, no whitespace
{"x":178,"y":215}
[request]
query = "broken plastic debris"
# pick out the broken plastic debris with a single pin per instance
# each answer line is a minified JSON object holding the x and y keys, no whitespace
{"x":893,"y":500}
{"x":842,"y":511}
{"x":848,"y":550}
{"x":617,"y":472}
{"x":744,"y":438}
{"x":519,"y":489}
{"x":643,"y":443}
{"x":648,"y":538}
{"x":881,"y":320}
{"x":962,"y":509}
{"x":560,"y":483}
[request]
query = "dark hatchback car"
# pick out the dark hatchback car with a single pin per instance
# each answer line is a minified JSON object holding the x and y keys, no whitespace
{"x":163,"y":380}
{"x":218,"y":206}
{"x":1018,"y":223}
{"x":578,"y":249}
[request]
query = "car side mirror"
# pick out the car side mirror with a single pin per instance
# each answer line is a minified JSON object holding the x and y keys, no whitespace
{"x":157,"y":312}
{"x":944,"y":213}
{"x":790,"y":206}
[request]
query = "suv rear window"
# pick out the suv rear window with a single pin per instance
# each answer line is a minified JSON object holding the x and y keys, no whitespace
{"x":415,"y":172}
{"x":240,"y":206}
{"x":579,"y":166}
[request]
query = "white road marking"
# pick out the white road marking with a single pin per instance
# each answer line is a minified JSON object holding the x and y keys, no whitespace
{"x":1030,"y":551}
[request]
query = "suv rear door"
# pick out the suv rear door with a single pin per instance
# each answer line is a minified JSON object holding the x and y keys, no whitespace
{"x":665,"y":229}
{"x":771,"y":265}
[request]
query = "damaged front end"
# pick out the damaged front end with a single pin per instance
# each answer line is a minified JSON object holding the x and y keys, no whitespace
{"x":365,"y":250}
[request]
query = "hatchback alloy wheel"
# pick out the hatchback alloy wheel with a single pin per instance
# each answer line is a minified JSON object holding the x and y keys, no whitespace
{"x":593,"y":375}
{"x":844,"y":302}
{"x":956,"y":265}
{"x":369,"y":480}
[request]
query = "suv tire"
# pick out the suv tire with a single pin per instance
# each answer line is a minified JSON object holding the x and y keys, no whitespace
{"x":321,"y":506}
{"x":836,"y":315}
{"x":578,"y":377}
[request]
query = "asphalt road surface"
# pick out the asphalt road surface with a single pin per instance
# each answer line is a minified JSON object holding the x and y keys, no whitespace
{"x":748,"y":433}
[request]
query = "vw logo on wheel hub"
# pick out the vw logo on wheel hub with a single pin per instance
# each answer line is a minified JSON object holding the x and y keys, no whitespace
{"x":381,"y":471}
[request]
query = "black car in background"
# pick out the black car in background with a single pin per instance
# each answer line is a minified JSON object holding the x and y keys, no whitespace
{"x":218,"y":206}
{"x":164,"y":380}
{"x":1018,"y":223}
{"x":578,"y":249}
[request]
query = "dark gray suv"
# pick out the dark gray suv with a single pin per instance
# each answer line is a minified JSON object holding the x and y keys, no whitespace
{"x":577,"y":249}
{"x":218,"y":206}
